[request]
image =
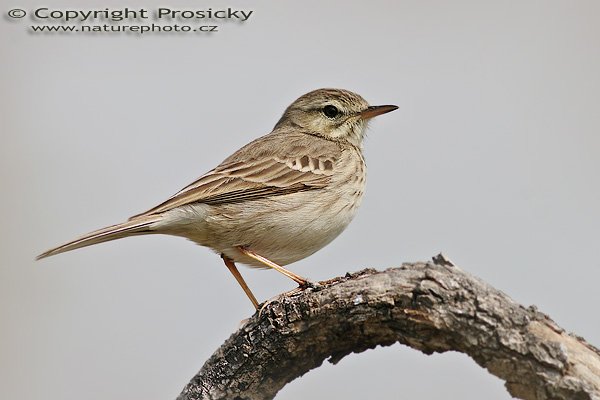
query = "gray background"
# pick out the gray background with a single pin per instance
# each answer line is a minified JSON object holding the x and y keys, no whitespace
{"x":492,"y":158}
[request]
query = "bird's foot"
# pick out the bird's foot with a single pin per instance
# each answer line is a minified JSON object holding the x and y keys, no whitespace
{"x":315,"y":286}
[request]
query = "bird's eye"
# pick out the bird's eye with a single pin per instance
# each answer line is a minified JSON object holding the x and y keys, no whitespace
{"x":330,"y":111}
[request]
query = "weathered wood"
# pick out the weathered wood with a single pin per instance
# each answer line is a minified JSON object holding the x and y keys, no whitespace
{"x":432,"y":307}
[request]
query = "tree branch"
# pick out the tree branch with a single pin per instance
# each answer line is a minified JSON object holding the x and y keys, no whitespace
{"x":431,"y":307}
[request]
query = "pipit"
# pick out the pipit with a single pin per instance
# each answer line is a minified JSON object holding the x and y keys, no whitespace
{"x":276,"y":200}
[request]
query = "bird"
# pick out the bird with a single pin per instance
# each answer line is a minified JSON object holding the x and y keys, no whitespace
{"x":276,"y":200}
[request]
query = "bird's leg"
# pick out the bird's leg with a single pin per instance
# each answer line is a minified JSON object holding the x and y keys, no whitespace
{"x":238,"y":277}
{"x":296,"y":278}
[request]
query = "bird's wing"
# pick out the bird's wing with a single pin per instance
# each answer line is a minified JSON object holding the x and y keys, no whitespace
{"x":270,"y":166}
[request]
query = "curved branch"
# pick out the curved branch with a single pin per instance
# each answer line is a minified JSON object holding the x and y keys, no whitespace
{"x":431,"y":307}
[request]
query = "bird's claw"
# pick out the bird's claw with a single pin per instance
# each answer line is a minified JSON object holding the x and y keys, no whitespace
{"x":315,"y":286}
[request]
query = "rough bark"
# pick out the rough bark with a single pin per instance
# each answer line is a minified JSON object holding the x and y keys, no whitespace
{"x":431,"y":307}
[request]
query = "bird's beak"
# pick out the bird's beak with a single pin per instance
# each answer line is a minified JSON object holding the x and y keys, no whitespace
{"x":374,"y":111}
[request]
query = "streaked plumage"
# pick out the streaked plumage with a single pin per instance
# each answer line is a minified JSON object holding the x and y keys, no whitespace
{"x":281,"y":197}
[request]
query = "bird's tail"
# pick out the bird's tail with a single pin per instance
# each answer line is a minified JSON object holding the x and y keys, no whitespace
{"x":136,"y":226}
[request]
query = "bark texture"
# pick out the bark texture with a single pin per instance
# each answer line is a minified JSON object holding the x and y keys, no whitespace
{"x":431,"y":307}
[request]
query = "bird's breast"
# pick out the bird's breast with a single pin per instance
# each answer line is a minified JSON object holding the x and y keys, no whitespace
{"x":284,"y":228}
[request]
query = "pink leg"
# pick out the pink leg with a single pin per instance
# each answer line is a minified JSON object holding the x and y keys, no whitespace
{"x":233,"y":269}
{"x":296,"y":278}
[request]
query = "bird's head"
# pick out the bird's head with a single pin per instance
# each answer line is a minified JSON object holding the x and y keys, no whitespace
{"x":333,"y":114}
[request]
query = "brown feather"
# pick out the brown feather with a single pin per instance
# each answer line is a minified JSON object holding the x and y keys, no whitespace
{"x":259,"y":170}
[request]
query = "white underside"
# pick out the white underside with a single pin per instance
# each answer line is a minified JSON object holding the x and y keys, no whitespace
{"x":283,"y":229}
{"x":295,"y":226}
